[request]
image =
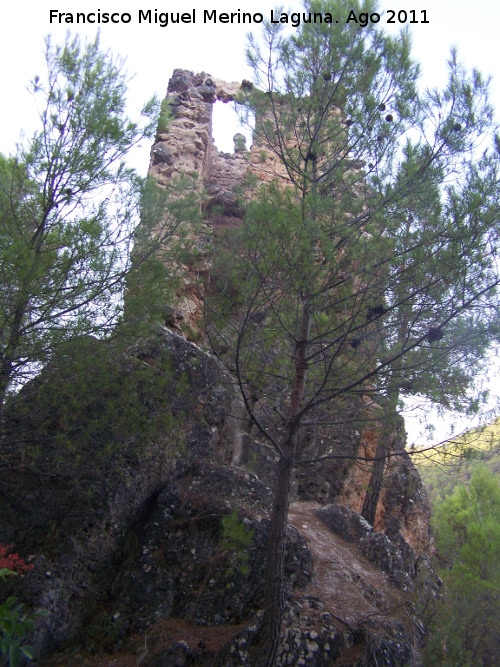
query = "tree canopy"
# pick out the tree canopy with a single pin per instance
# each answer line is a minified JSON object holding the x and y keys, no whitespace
{"x":69,"y":206}
{"x":464,"y":630}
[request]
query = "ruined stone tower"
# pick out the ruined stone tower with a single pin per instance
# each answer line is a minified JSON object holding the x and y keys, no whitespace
{"x":185,"y":147}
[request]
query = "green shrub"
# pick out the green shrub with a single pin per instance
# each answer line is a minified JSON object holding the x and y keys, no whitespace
{"x":165,"y":117}
{"x":15,"y":623}
{"x":465,"y":630}
{"x":236,"y":538}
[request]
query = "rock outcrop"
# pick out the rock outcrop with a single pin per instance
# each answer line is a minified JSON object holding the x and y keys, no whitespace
{"x":100,"y":435}
{"x":149,"y":544}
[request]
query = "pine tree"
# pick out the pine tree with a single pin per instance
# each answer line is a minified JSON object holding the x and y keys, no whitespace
{"x":69,"y":206}
{"x":369,"y":262}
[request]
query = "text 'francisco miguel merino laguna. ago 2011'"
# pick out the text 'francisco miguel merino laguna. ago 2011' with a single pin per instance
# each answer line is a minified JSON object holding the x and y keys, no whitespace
{"x":212,"y":16}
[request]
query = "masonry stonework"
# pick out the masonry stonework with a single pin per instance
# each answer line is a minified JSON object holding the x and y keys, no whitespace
{"x":185,"y":148}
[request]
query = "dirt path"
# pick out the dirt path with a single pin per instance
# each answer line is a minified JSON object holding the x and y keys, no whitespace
{"x":350,"y":587}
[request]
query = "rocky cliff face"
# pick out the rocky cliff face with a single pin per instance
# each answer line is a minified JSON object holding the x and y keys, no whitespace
{"x":142,"y":496}
{"x":148,"y":543}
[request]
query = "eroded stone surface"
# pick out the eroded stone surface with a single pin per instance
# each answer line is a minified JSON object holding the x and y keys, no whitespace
{"x":184,"y":147}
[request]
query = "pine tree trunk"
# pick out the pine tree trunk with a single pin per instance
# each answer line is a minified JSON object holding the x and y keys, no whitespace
{"x":375,"y":485}
{"x":5,"y":378}
{"x":8,"y":354}
{"x":274,"y":578}
{"x":386,"y":437}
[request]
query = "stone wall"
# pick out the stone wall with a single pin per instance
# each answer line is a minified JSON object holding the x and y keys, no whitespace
{"x":184,"y":147}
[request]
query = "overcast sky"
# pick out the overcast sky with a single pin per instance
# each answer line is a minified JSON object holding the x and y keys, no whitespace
{"x":152,"y":51}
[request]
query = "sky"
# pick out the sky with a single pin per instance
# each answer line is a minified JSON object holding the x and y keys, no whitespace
{"x":153,"y":51}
